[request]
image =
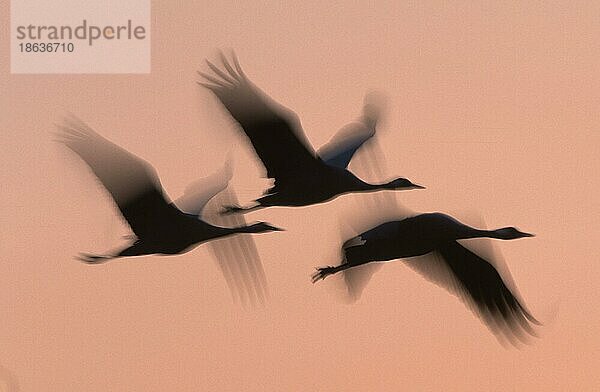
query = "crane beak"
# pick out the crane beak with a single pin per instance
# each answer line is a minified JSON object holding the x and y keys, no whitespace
{"x":415,"y":186}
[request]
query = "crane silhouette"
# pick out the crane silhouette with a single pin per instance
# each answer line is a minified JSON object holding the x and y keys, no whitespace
{"x":302,"y":177}
{"x":474,"y":279}
{"x":159,"y":226}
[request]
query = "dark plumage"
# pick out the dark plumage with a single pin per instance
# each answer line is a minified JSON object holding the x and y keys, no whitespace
{"x":463,"y":272}
{"x":302,"y":177}
{"x":159,"y":226}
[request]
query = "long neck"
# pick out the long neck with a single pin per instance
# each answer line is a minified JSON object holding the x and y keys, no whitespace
{"x":213,"y":232}
{"x":362,"y":186}
{"x":243,"y":229}
{"x":504,"y":233}
{"x":255,"y":228}
{"x":476,"y":233}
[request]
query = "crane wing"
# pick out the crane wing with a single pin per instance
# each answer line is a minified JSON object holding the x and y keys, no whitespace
{"x":373,"y":210}
{"x":341,"y":148}
{"x":478,"y":284}
{"x":273,"y":130}
{"x":197,"y":195}
{"x":236,"y":256}
{"x":132,"y":182}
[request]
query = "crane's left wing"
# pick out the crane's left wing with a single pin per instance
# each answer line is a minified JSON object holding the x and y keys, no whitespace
{"x":341,"y":148}
{"x":372,"y":210}
{"x":478,"y":284}
{"x":198,"y":194}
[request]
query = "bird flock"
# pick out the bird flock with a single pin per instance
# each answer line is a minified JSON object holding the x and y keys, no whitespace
{"x":301,"y":177}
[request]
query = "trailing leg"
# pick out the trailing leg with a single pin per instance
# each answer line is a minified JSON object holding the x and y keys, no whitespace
{"x":94,"y":259}
{"x":137,"y":249}
{"x":323,"y":272}
{"x":352,"y":258}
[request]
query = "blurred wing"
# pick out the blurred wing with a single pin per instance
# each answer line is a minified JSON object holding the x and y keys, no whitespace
{"x":372,"y":210}
{"x":133,"y":184}
{"x":236,"y":256}
{"x":274,"y":131}
{"x":479,"y":285}
{"x":341,"y":148}
{"x":197,"y":194}
{"x":357,"y":278}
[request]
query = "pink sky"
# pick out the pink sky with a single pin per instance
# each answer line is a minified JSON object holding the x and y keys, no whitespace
{"x":494,"y":107}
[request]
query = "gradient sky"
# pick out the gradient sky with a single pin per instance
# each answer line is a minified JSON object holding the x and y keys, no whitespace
{"x":494,"y":107}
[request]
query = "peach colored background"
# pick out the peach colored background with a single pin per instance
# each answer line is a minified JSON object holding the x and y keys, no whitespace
{"x":493,"y":107}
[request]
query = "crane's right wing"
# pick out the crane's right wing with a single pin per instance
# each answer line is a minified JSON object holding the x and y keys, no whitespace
{"x":236,"y":256}
{"x":273,"y":130}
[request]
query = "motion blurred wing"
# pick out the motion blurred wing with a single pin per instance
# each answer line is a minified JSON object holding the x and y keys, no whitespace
{"x":374,"y":209}
{"x":341,"y":148}
{"x":132,"y":182}
{"x":274,"y":131}
{"x":236,"y":256}
{"x":479,"y":285}
{"x":198,"y":194}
